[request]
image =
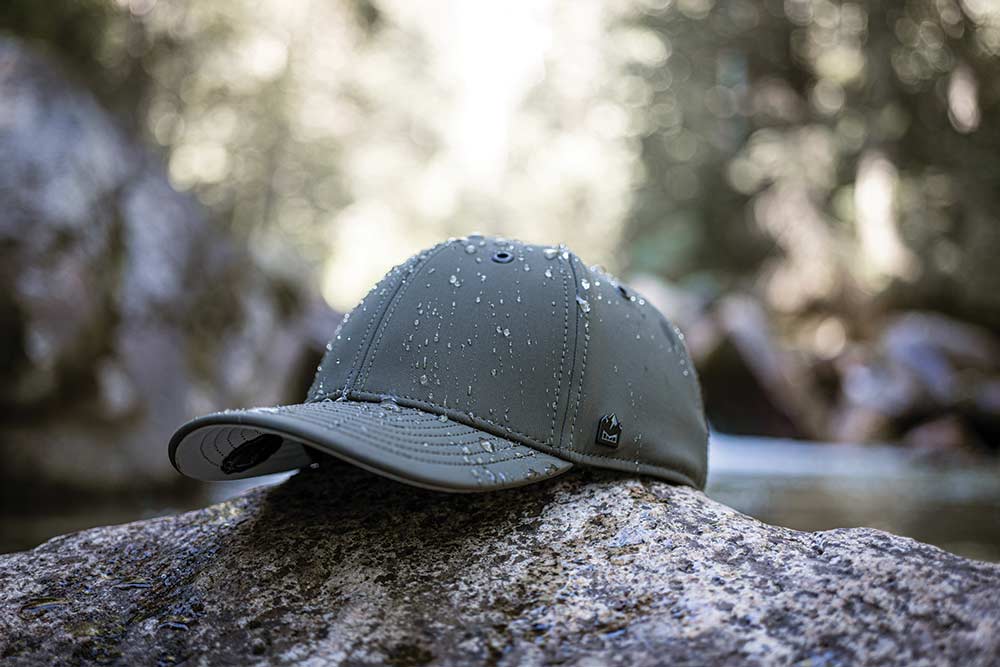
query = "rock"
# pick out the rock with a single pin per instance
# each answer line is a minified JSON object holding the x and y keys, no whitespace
{"x":752,"y":383}
{"x":123,"y":311}
{"x":924,"y":366}
{"x":945,"y":438}
{"x":337,"y":566}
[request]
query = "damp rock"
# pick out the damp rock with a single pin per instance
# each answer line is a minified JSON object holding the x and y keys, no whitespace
{"x":340,"y":567}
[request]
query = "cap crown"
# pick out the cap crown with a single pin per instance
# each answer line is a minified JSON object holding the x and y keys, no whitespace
{"x":529,"y":343}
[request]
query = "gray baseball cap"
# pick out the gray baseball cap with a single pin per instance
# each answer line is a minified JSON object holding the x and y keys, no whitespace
{"x":480,"y":364}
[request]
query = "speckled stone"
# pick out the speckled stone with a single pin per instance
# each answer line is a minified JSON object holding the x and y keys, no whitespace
{"x":339,"y":567}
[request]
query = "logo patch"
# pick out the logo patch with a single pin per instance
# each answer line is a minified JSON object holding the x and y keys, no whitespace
{"x":609,"y":430}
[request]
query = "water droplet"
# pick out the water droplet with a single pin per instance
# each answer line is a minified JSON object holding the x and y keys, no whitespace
{"x":583,"y":303}
{"x":527,"y":267}
{"x":442,"y":418}
{"x":548,"y":273}
{"x":550,"y":253}
{"x":506,"y":333}
{"x":423,"y":379}
{"x":487,"y":445}
{"x":453,"y":280}
{"x":471,"y":249}
{"x":584,"y":283}
{"x":389,"y":403}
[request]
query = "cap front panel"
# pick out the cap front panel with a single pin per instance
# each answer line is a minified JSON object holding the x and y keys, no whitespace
{"x":484,"y":328}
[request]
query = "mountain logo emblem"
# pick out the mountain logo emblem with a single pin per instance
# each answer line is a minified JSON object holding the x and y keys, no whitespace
{"x":609,"y":430}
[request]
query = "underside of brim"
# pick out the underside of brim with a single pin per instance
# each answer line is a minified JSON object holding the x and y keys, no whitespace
{"x":403,"y":443}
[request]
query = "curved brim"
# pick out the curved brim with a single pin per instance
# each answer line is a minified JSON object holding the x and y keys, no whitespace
{"x":403,"y":443}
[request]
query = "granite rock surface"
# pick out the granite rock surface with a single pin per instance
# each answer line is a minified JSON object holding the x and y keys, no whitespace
{"x":337,"y":566}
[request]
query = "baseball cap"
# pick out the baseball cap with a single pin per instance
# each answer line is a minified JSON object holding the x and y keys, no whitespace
{"x":481,"y":363}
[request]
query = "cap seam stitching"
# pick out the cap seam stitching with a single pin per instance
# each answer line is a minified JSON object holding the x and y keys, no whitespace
{"x":213,"y":442}
{"x":528,"y":439}
{"x":562,"y":362}
{"x":408,"y":454}
{"x":448,"y":412}
{"x":583,"y":374}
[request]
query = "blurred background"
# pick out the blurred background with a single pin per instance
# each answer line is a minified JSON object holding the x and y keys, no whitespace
{"x":192,"y":193}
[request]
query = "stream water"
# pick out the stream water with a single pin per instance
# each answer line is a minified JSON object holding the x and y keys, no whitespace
{"x":812,"y":486}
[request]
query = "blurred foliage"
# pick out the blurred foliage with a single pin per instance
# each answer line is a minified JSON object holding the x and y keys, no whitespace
{"x":854,"y":144}
{"x":837,"y":156}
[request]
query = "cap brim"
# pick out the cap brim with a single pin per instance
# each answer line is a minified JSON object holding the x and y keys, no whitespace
{"x":402,"y":443}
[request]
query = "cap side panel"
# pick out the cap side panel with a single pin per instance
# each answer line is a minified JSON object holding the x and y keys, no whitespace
{"x":633,"y":368}
{"x":338,"y":371}
{"x":369,"y":359}
{"x":335,"y":375}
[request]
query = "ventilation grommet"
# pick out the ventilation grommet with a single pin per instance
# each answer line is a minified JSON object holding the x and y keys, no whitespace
{"x":503,"y":257}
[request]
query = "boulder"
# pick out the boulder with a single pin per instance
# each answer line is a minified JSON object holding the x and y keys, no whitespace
{"x":338,"y":567}
{"x":123,"y":310}
{"x":924,"y":367}
{"x":777,"y":390}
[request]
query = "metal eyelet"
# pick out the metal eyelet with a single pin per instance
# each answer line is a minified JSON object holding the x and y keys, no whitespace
{"x":503,"y":257}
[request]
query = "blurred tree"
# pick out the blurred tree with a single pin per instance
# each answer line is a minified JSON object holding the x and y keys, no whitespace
{"x":837,"y":155}
{"x":831,"y":151}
